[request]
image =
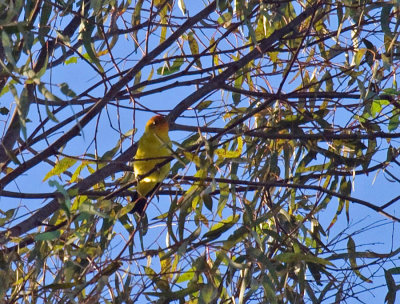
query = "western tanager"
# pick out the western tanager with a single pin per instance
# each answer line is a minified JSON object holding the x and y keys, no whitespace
{"x":153,"y":148}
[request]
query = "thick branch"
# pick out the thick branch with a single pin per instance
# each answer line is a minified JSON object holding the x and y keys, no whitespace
{"x":39,"y":216}
{"x":96,"y":108}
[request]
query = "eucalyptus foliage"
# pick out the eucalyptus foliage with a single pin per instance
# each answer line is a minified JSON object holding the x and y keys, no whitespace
{"x":282,"y":108}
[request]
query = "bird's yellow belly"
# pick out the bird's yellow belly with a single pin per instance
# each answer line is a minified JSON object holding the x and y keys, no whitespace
{"x":144,"y":164}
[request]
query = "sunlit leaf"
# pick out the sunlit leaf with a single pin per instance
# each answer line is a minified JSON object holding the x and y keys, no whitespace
{"x":168,"y":70}
{"x":182,"y":7}
{"x":86,"y":36}
{"x":71,"y":60}
{"x":60,"y":167}
{"x":224,"y":153}
{"x":194,"y":48}
{"x":225,"y":19}
{"x":219,"y":228}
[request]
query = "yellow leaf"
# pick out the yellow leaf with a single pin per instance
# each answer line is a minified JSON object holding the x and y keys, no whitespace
{"x":231,"y":154}
{"x":60,"y":167}
{"x":101,"y":53}
{"x":193,"y":158}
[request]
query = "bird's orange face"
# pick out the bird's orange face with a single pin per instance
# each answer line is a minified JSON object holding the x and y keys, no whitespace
{"x":158,"y":123}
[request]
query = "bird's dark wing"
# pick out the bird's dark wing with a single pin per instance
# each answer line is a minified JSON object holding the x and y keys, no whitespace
{"x":141,"y":202}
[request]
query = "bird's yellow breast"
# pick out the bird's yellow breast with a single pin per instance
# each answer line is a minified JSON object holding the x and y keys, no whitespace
{"x":152,"y":150}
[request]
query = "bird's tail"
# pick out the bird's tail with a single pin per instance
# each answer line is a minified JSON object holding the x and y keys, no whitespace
{"x":142,"y":201}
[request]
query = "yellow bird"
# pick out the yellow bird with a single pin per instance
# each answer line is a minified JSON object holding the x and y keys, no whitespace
{"x":153,"y":148}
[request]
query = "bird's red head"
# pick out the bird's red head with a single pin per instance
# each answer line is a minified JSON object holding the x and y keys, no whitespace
{"x":158,"y":124}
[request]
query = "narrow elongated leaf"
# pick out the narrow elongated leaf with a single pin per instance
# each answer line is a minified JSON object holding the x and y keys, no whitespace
{"x":293,"y":257}
{"x":60,"y":167}
{"x":48,"y":236}
{"x":219,"y":228}
{"x":351,"y":248}
{"x":392,"y":288}
{"x":194,"y":48}
{"x":224,"y":153}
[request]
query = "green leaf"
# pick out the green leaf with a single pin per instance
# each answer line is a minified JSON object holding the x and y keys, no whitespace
{"x":137,"y":12}
{"x":219,"y":228}
{"x":47,"y":94}
{"x":359,"y":55}
{"x":65,"y":201}
{"x":392,"y":288}
{"x":50,"y":114}
{"x":377,"y":106}
{"x":166,"y":69}
{"x":370,"y":54}
{"x":269,"y":289}
{"x":252,"y":33}
{"x":223,"y":197}
{"x":369,"y":153}
{"x":344,"y":189}
{"x":207,"y":294}
{"x":163,"y":21}
{"x":135,"y":20}
{"x":4,"y":111}
{"x":64,"y":87}
{"x":108,"y":155}
{"x":391,"y":91}
{"x":385,"y":19}
{"x":393,"y":122}
{"x":186,"y":276}
{"x":86,"y":29}
{"x":8,"y":215}
{"x":6,"y":88}
{"x":208,"y":202}
{"x":160,"y":283}
{"x":315,"y":270}
{"x":213,"y":49}
{"x":293,"y":257}
{"x":48,"y":236}
{"x":16,"y":27}
{"x":238,"y":85}
{"x":58,"y":286}
{"x":395,"y":270}
{"x":23,"y":103}
{"x":176,"y":295}
{"x":222,"y":5}
{"x":8,"y":48}
{"x":44,"y":28}
{"x":89,"y":208}
{"x":96,"y":6}
{"x":194,"y":48}
{"x":72,"y":59}
{"x":203,"y":105}
{"x":225,"y":19}
{"x":351,"y":248}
